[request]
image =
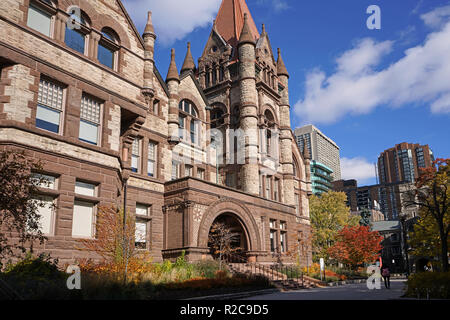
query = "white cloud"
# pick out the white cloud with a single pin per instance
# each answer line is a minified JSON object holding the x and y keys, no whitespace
{"x":437,"y":17}
{"x":173,"y":19}
{"x":357,"y":87}
{"x":357,"y":168}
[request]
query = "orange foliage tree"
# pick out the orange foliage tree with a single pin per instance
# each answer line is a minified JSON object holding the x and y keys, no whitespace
{"x":356,"y":245}
{"x":115,"y":245}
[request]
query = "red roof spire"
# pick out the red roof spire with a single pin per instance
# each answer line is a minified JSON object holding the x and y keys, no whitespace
{"x":230,"y":21}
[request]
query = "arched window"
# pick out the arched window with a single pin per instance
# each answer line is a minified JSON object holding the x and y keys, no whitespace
{"x":108,"y":48}
{"x":269,"y":121}
{"x":188,"y":118}
{"x":77,"y":30}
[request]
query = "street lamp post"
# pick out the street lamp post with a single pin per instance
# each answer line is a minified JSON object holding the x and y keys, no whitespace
{"x":405,"y":242}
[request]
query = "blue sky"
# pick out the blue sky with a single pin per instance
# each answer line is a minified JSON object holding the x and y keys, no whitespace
{"x":366,"y":89}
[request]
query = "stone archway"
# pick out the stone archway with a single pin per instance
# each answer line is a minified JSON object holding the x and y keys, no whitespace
{"x":239,"y":242}
{"x":240,"y":215}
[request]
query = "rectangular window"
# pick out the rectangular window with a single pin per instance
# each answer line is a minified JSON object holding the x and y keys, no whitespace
{"x":268,"y":187}
{"x":175,"y":170}
{"x":276,"y":190}
{"x":44,"y":181}
{"x":90,"y":120}
{"x":201,"y":174}
{"x":229,"y":179}
{"x":193,"y":132}
{"x":46,"y":212}
{"x":151,"y":161}
{"x":282,"y":225}
{"x":105,"y":56}
{"x":83,"y":219}
{"x":39,"y":20}
{"x":188,"y":171}
{"x":50,"y":106}
{"x":142,"y":210}
{"x":272,"y":223}
{"x":136,"y":156}
{"x":272,"y":240}
{"x":283,"y":243}
{"x":182,"y":127}
{"x":75,"y":39}
{"x":156,"y":107}
{"x":85,"y":189}
{"x":140,"y":241}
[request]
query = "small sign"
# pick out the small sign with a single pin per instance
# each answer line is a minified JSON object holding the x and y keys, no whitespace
{"x":322,"y":264}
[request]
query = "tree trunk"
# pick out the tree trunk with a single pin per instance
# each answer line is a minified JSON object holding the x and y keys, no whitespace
{"x":444,"y":248}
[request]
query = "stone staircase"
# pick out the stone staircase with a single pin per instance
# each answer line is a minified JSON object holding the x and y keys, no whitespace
{"x":275,"y":277}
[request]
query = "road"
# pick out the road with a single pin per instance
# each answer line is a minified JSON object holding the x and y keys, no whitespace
{"x":345,"y":292}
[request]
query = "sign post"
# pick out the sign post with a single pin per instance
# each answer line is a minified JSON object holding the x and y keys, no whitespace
{"x":322,"y":268}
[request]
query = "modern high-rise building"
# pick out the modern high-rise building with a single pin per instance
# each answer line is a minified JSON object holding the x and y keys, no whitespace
{"x":321,"y":177}
{"x":402,"y":162}
{"x":321,"y":148}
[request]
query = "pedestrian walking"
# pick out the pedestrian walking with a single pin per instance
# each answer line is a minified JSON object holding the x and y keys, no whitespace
{"x":386,"y":277}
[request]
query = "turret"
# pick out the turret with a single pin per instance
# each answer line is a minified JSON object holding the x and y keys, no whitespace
{"x":173,"y":82}
{"x":149,"y":37}
{"x":249,"y":106}
{"x":286,"y":134}
{"x":189,"y":64}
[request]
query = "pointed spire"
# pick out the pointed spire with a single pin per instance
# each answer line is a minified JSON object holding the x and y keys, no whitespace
{"x":189,"y":63}
{"x":246,"y":34}
{"x":173,"y":71}
{"x":230,"y":20}
{"x":149,"y":26}
{"x":281,"y":68}
{"x":263,"y":31}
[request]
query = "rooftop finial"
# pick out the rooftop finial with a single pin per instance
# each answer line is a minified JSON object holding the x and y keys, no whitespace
{"x":281,"y":68}
{"x":149,"y":26}
{"x":173,"y":71}
{"x":189,"y":63}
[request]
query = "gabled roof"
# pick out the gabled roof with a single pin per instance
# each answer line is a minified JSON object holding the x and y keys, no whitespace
{"x":230,"y":21}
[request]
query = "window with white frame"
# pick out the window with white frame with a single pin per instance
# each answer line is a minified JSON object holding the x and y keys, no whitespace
{"x":83,"y":219}
{"x":44,"y":181}
{"x":200,"y":173}
{"x":141,"y":228}
{"x":273,"y":235}
{"x":156,"y":107}
{"x":276,"y":186}
{"x":50,"y":106}
{"x":188,"y":118}
{"x":77,"y":32}
{"x":85,"y":189}
{"x":188,"y":170}
{"x":39,"y":18}
{"x":46,"y":211}
{"x":90,"y":120}
{"x":108,"y":48}
{"x":175,"y":170}
{"x":152,"y":154}
{"x":268,"y":187}
{"x":136,"y":155}
{"x":283,"y":243}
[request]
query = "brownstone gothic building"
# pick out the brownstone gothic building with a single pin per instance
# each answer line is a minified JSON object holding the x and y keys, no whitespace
{"x":80,"y":91}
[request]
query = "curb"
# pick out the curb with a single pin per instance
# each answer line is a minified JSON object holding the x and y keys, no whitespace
{"x":341,"y":283}
{"x":233,"y":296}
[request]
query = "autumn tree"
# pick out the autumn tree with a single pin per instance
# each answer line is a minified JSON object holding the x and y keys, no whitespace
{"x":425,"y":241}
{"x":19,"y":204}
{"x":221,"y":240}
{"x":432,"y":195}
{"x":329,"y":215}
{"x":356,"y":245}
{"x":114,"y":243}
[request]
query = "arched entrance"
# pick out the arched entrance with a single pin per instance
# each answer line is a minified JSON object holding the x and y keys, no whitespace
{"x":228,"y":236}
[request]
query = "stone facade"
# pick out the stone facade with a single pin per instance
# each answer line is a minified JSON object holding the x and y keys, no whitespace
{"x":143,"y":156}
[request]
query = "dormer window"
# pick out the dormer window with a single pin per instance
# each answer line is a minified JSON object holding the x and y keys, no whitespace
{"x":108,"y":48}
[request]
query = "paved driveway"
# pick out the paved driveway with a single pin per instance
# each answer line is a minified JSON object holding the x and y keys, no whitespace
{"x":345,"y":292}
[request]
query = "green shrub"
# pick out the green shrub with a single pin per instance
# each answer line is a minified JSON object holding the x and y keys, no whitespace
{"x":37,"y":278}
{"x":435,"y":285}
{"x":206,"y":269}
